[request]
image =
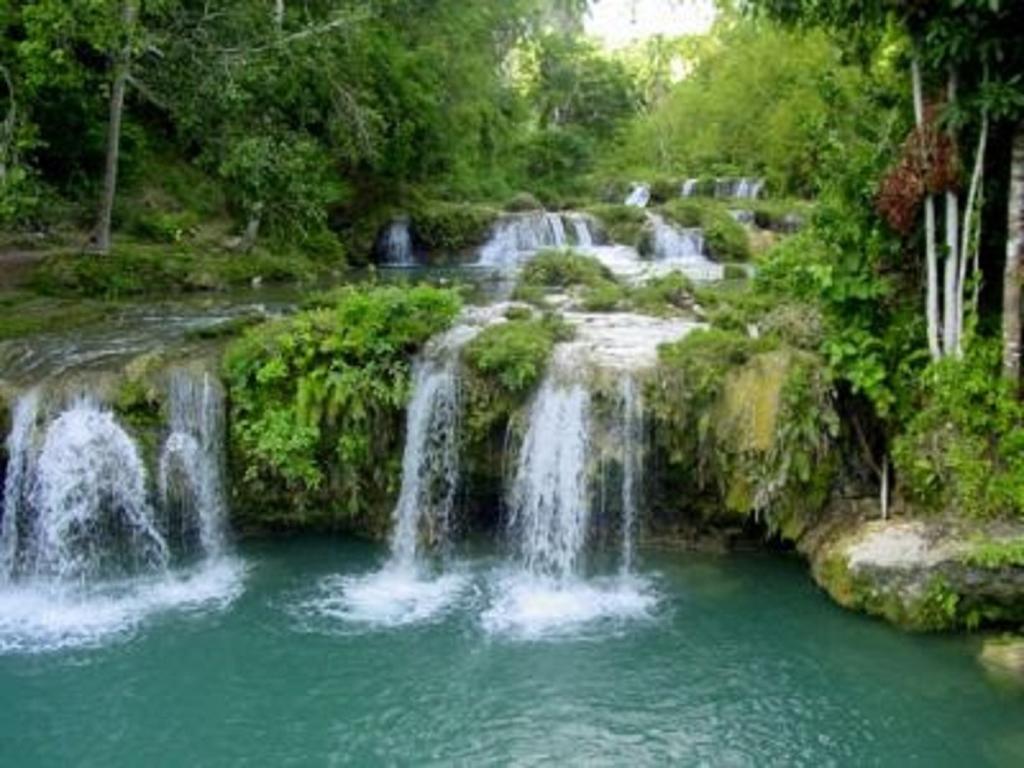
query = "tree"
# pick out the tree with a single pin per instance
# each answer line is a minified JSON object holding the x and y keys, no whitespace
{"x":1014,"y":260}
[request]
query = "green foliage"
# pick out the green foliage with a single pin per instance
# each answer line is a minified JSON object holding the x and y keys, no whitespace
{"x":752,"y":422}
{"x":513,"y":354}
{"x":622,"y":223}
{"x":993,"y":554}
{"x":137,"y":270}
{"x":563,"y":269}
{"x":317,"y":403}
{"x":603,"y":296}
{"x":963,"y":449}
{"x":449,"y":228}
{"x":663,"y":295}
{"x":759,"y":101}
{"x":726,"y":238}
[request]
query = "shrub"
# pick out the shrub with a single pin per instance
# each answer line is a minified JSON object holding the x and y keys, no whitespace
{"x":317,"y":403}
{"x":451,"y":227}
{"x":622,"y":223}
{"x":562,"y":269}
{"x":963,"y":448}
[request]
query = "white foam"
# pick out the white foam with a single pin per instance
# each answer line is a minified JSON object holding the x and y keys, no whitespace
{"x":532,"y":607}
{"x":39,"y":617}
{"x":392,"y":597}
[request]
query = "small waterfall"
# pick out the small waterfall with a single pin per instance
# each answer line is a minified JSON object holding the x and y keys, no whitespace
{"x":582,"y":227}
{"x":740,"y":189}
{"x":394,"y":245}
{"x":675,"y":243}
{"x":19,"y":446}
{"x":430,"y":469}
{"x":689,"y":188}
{"x":631,"y":439}
{"x":89,"y":514}
{"x":639,"y":196}
{"x":518,"y":236}
{"x":191,"y":481}
{"x":743,"y":216}
{"x":550,"y":503}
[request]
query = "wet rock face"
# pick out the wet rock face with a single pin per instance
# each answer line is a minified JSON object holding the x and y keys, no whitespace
{"x":919,"y":574}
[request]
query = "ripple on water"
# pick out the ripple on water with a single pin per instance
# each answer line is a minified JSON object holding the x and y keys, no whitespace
{"x":44,"y":617}
{"x":530,"y":607}
{"x":391,"y":597}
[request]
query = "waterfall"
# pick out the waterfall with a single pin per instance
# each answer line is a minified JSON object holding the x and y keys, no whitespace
{"x":550,"y":504}
{"x":689,"y":188}
{"x":191,"y":481}
{"x":518,"y":236}
{"x":87,"y":515}
{"x":430,"y":469}
{"x":631,"y":439}
{"x":19,"y":445}
{"x":683,"y":249}
{"x":582,"y":227}
{"x":741,"y":189}
{"x":394,"y":245}
{"x":639,"y":196}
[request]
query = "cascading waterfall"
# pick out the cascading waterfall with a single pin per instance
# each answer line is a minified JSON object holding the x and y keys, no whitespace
{"x":631,"y":439}
{"x":85,"y":554}
{"x":406,"y":590}
{"x":683,"y":249}
{"x":583,"y":229}
{"x":549,"y":504}
{"x":394,"y":245}
{"x":545,"y":591}
{"x":689,"y":188}
{"x":517,"y":236}
{"x":430,"y":468}
{"x":15,"y":526}
{"x":85,"y":514}
{"x":639,"y":196}
{"x":741,"y":189}
{"x":191,"y":464}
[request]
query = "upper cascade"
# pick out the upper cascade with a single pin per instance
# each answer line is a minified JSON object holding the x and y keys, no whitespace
{"x":639,"y":196}
{"x":684,"y":249}
{"x":394,"y":244}
{"x":518,"y":236}
{"x":742,"y":188}
{"x":689,"y":188}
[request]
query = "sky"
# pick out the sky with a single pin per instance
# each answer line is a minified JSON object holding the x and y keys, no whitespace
{"x":620,"y":22}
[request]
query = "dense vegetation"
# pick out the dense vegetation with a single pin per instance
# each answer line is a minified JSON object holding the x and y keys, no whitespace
{"x":205,"y":145}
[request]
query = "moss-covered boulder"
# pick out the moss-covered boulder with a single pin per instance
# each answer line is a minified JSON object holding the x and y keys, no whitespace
{"x":924,"y":575}
{"x":447,"y":232}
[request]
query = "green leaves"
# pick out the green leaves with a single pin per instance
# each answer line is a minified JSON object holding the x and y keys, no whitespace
{"x":317,"y":399}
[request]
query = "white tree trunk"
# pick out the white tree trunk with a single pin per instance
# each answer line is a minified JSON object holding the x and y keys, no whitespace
{"x":931,"y":258}
{"x":971,"y":234}
{"x":279,"y":14}
{"x":950,"y":312}
{"x":1014,"y":247}
{"x":884,"y":491}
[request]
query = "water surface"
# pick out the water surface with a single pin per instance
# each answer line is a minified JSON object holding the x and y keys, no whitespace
{"x":734,"y":660}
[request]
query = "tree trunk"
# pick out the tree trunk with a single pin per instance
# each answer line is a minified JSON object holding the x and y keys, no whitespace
{"x":101,"y":236}
{"x":971,"y":232}
{"x":279,"y":14}
{"x":950,"y":314}
{"x":931,"y":258}
{"x":1014,"y":256}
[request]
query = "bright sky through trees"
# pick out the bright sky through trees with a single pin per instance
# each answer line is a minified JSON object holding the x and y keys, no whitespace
{"x":619,"y":22}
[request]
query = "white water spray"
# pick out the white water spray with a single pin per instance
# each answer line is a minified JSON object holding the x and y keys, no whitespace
{"x":516,"y":237}
{"x":639,"y":196}
{"x":395,"y":244}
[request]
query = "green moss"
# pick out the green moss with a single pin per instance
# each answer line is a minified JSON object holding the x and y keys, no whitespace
{"x":603,"y":296}
{"x":446,"y":230}
{"x":564,"y":268}
{"x":25,"y":314}
{"x":995,"y":553}
{"x":141,"y":270}
{"x":523,"y":201}
{"x":512,"y":354}
{"x":664,"y":295}
{"x":622,"y":223}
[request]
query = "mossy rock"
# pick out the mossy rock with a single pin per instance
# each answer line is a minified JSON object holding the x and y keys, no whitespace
{"x":1004,"y":655}
{"x":623,"y":224}
{"x":915,"y":574}
{"x":448,"y":231}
